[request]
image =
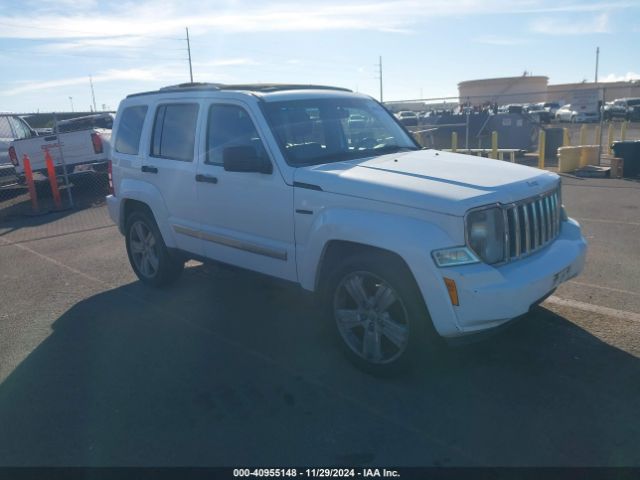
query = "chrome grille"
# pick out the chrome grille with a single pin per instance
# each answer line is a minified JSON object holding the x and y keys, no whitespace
{"x":531,"y":224}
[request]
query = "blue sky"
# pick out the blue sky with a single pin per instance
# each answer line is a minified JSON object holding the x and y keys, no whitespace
{"x":48,"y":49}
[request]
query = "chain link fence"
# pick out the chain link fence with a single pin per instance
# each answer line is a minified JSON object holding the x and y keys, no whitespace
{"x":68,"y":166}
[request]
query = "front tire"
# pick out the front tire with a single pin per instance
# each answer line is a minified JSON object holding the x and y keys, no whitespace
{"x":148,"y":254}
{"x":378,"y":314}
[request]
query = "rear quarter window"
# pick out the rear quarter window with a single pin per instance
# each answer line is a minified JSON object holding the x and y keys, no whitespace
{"x":130,"y":130}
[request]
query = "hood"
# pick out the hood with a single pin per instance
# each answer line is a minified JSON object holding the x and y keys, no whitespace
{"x":444,"y":182}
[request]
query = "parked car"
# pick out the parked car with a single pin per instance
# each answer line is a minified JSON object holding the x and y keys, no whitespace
{"x":538,"y":111}
{"x":615,"y":109}
{"x":512,"y":108}
{"x":407,"y":118}
{"x":631,"y":108}
{"x":551,"y":107}
{"x":567,"y":113}
{"x":402,"y":246}
{"x":12,"y":127}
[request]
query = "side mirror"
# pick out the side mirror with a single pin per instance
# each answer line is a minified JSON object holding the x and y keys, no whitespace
{"x":245,"y":158}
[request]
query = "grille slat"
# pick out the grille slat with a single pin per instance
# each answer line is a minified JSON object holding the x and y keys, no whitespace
{"x":518,"y":233}
{"x":507,"y":238}
{"x":530,"y":225}
{"x":536,"y":229}
{"x":527,"y":229}
{"x":543,"y":223}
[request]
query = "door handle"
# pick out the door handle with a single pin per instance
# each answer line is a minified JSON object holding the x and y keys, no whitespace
{"x":148,"y":169}
{"x":206,"y":178}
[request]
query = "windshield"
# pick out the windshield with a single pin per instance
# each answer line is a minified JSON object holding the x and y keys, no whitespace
{"x":633,"y":102}
{"x":324,"y":130}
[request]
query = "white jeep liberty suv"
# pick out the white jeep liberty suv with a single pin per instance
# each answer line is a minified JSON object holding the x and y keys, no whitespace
{"x":323,"y":187}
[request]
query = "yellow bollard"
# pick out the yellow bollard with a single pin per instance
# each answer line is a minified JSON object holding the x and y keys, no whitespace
{"x":494,"y":145}
{"x":565,"y":138}
{"x":541,"y":146}
{"x":598,"y":135}
{"x":583,"y":134}
{"x":623,"y":131}
{"x":609,"y":138}
{"x":454,"y":141}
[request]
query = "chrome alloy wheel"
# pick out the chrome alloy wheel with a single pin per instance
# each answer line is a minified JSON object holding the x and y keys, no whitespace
{"x":144,"y":249}
{"x":371,"y":317}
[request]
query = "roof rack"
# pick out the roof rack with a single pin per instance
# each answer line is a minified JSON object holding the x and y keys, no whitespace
{"x":250,"y":87}
{"x":277,"y":87}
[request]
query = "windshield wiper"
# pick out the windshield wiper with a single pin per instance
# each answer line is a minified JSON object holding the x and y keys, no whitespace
{"x":393,"y":149}
{"x":355,"y":154}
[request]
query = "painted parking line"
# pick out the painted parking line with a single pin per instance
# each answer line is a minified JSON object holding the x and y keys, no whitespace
{"x":611,"y":289}
{"x":602,"y":220}
{"x":589,"y":307}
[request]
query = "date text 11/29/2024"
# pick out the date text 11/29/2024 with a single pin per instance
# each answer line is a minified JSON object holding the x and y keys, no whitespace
{"x":315,"y":472}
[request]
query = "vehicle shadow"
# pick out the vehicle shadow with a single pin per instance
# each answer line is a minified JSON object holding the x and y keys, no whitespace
{"x":16,"y":210}
{"x":229,"y":368}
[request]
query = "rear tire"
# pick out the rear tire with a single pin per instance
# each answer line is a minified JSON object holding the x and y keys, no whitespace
{"x":148,"y":255}
{"x":377,"y":313}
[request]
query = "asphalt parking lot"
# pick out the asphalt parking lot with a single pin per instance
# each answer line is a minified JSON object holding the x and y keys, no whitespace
{"x":230,"y":368}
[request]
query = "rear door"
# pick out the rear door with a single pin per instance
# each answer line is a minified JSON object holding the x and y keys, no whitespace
{"x":170,"y":166}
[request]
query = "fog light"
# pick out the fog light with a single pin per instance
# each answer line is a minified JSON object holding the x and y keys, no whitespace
{"x":452,"y":289}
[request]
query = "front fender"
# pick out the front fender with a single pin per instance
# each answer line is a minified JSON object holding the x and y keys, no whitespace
{"x":132,"y":189}
{"x":412,"y":239}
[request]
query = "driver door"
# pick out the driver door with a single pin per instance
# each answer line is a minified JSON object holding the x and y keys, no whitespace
{"x":246,"y":217}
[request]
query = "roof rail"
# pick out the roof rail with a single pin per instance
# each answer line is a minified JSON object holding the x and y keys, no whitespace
{"x":213,"y":86}
{"x":250,"y":87}
{"x":276,"y":87}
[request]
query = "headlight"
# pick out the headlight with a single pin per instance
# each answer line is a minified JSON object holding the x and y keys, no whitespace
{"x":485,"y":234}
{"x":450,"y":257}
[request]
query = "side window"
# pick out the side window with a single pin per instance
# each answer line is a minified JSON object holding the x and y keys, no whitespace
{"x":230,"y":126}
{"x":5,"y":129}
{"x":20,"y":129}
{"x":128,"y":139}
{"x":174,"y":131}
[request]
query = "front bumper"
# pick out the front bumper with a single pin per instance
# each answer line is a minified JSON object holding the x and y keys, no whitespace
{"x":491,"y":296}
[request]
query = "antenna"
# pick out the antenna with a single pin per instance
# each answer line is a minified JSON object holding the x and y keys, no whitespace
{"x":189,"y":50}
{"x":93,"y":94}
{"x":380,"y":76}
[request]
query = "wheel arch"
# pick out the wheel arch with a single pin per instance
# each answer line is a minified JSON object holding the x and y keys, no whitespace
{"x":136,"y":195}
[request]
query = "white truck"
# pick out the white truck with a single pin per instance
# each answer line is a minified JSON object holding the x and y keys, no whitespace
{"x":83,"y":152}
{"x":403,"y":246}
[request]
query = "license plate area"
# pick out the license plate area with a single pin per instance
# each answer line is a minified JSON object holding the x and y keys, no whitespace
{"x":562,"y":276}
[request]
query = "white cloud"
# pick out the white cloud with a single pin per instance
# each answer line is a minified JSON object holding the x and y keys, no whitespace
{"x":227,"y":62}
{"x":499,"y":40}
{"x":612,"y":77}
{"x":163,"y":73}
{"x":149,"y":17}
{"x":564,"y":26}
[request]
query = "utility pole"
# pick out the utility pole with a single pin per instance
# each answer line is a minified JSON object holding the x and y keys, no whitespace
{"x":380,"y":75}
{"x":71,"y":101}
{"x":597,"y":60}
{"x":189,"y":51}
{"x":93,"y":94}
